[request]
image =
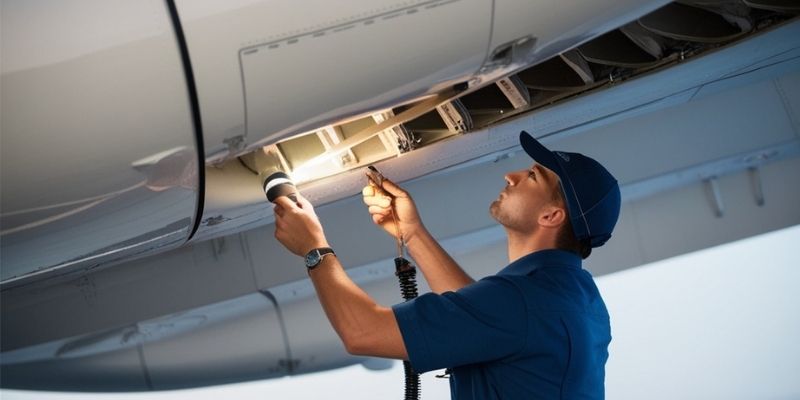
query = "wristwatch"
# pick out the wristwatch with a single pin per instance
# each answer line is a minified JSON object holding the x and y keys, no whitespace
{"x":315,"y":256}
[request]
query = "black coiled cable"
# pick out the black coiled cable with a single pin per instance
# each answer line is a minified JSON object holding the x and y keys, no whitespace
{"x":407,"y":274}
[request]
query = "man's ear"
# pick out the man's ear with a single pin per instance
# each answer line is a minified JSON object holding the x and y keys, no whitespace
{"x":552,"y":216}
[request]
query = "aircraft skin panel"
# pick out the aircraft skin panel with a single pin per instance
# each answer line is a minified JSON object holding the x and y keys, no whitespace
{"x":374,"y":64}
{"x":382,"y":50}
{"x":106,"y":372}
{"x":98,"y":149}
{"x":176,"y":351}
{"x":267,"y":68}
{"x":238,"y":339}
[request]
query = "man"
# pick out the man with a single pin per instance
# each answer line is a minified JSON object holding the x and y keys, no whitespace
{"x":536,"y":329}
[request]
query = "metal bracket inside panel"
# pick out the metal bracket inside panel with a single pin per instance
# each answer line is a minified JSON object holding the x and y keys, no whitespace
{"x":515,"y":91}
{"x":455,"y":116}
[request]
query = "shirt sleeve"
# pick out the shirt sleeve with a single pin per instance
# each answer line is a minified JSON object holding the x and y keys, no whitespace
{"x":484,"y":321}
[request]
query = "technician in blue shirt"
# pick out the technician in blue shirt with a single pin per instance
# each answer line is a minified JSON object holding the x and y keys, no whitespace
{"x":538,"y":329}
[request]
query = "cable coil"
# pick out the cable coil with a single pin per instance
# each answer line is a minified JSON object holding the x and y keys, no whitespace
{"x":407,"y":274}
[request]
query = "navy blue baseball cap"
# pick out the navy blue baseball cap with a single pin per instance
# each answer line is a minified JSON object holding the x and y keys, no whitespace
{"x":591,"y":192}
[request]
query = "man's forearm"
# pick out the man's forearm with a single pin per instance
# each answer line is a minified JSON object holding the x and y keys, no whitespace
{"x":365,"y":327}
{"x":441,"y":271}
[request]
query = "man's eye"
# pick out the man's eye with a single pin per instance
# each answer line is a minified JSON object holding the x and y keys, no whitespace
{"x":532,"y":174}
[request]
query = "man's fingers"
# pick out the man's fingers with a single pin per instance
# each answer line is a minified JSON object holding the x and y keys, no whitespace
{"x":285,"y":202}
{"x":379,"y":201}
{"x":379,"y":210}
{"x":373,"y":191}
{"x":278,"y":210}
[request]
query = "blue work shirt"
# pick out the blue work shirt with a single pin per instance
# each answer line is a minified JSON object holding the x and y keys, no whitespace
{"x":538,"y":329}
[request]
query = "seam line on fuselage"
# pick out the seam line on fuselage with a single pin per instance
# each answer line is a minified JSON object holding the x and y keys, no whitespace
{"x":195,"y":110}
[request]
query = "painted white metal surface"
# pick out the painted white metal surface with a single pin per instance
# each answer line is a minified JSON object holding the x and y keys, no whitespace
{"x":98,"y":149}
{"x":268,"y":69}
{"x":220,"y":343}
{"x":174,"y":351}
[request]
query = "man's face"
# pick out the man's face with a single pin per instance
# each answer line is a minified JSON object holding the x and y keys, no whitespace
{"x":527,"y":191}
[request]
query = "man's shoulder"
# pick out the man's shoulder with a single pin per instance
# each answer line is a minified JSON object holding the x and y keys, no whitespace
{"x":556,"y":289}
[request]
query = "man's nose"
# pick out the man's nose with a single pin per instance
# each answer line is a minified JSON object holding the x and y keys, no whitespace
{"x":511,"y":178}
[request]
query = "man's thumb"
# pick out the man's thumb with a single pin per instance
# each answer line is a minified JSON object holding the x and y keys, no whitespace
{"x":285,"y":202}
{"x":392,"y":188}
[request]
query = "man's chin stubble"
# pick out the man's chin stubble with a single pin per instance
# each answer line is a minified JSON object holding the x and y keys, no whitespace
{"x":494,"y":208}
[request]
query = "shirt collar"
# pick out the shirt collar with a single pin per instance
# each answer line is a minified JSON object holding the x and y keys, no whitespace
{"x":549,"y":257}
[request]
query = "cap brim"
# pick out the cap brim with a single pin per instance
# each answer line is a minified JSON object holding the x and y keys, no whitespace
{"x":539,"y":153}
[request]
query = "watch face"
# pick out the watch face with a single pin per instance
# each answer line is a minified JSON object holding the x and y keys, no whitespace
{"x":312,"y":258}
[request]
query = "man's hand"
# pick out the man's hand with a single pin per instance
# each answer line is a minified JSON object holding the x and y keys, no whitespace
{"x":297,"y":226}
{"x":440,"y":270}
{"x":380,"y":201}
